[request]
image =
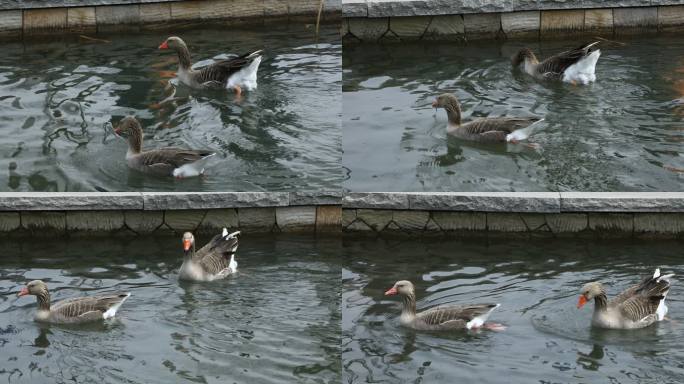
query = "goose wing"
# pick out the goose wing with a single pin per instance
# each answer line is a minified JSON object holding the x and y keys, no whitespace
{"x":555,"y":65}
{"x":215,"y":256}
{"x":172,"y":158}
{"x":496,"y":129}
{"x":89,"y":306}
{"x":216,"y":74}
{"x":454,"y":315}
{"x":643,"y":299}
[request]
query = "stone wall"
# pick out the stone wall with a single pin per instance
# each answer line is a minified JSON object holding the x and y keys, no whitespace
{"x":31,"y":18}
{"x":55,"y":214}
{"x":546,"y":214}
{"x":407,"y":20}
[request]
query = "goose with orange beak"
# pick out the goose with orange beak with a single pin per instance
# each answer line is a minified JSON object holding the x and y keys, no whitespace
{"x":637,"y":307}
{"x":216,"y":260}
{"x":235,"y":73}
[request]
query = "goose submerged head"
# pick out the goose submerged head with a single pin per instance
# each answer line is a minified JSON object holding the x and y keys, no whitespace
{"x":34,"y":287}
{"x":588,"y":292}
{"x":401,"y":287}
{"x":525,"y":54}
{"x":188,"y":242}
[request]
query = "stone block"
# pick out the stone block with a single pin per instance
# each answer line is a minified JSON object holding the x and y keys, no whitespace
{"x":483,"y":25}
{"x":302,"y":7}
{"x":68,"y":201}
{"x":368,"y":29}
{"x":154,"y":15}
{"x":117,"y":18}
{"x":376,"y":200}
{"x":535,"y":222}
{"x":355,"y":8}
{"x":9,"y":221}
{"x":622,"y":201}
{"x":564,"y":22}
{"x":348,"y":216}
{"x":212,"y":200}
{"x":409,"y":28}
{"x":659,"y":223}
{"x":544,"y":202}
{"x":567,"y":222}
{"x":94,"y":221}
{"x":81,"y":20}
{"x":217,"y":9}
{"x":611,"y":222}
{"x":257,"y":219}
{"x":377,"y":219}
{"x":216,"y":219}
{"x":358,"y":226}
{"x":316,"y":198}
{"x":598,"y":20}
{"x":521,"y":24}
{"x":505,"y":222}
{"x":44,"y":21}
{"x":274,"y":8}
{"x":460,"y":221}
{"x":186,"y":10}
{"x":184,"y":220}
{"x":671,"y":18}
{"x":143,"y":221}
{"x":411,"y":220}
{"x":11,"y":23}
{"x":629,"y":20}
{"x":296,"y":219}
{"x":328,"y":218}
{"x":445,"y":27}
{"x":44,"y":222}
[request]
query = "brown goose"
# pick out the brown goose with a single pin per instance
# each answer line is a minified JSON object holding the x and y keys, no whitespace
{"x":494,"y":129}
{"x":639,"y":306}
{"x":72,"y":311}
{"x":174,"y":162}
{"x":215,"y":260}
{"x":574,"y":66}
{"x":442,"y":317}
{"x":234,"y":73}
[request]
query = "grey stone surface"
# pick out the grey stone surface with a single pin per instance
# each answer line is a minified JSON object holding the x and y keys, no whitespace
{"x":505,"y":222}
{"x":389,"y":8}
{"x":296,"y":219}
{"x":486,"y":201}
{"x":567,"y":222}
{"x":520,"y":24}
{"x":329,"y":218}
{"x":220,"y":218}
{"x":608,"y":222}
{"x":96,"y":221}
{"x":670,"y":223}
{"x":11,"y":23}
{"x":9,"y":221}
{"x":622,"y":202}
{"x":376,"y":200}
{"x":358,"y":225}
{"x":316,"y":198}
{"x":445,"y":27}
{"x":118,"y":17}
{"x":562,"y":22}
{"x":635,"y":18}
{"x":671,"y":18}
{"x":257,"y":219}
{"x":26,"y":4}
{"x":143,"y":221}
{"x":66,"y":201}
{"x":482,"y":25}
{"x":460,"y":221}
{"x":411,"y":220}
{"x":377,"y":219}
{"x":598,"y":19}
{"x":184,"y":220}
{"x":43,"y":221}
{"x":409,"y":28}
{"x":368,"y":29}
{"x":534,"y":221}
{"x":348,"y":216}
{"x":208,"y":200}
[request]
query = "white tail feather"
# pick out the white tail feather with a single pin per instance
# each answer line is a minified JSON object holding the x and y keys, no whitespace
{"x":523,"y":133}
{"x":478,"y":321}
{"x":111,"y":312}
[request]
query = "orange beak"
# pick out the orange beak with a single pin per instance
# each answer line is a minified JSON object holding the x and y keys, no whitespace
{"x":434,"y":104}
{"x":24,"y":291}
{"x":164,"y":45}
{"x":186,"y":245}
{"x":582,"y":300}
{"x":391,"y":292}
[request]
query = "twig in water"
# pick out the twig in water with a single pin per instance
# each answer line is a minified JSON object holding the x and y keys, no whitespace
{"x":84,"y":37}
{"x":318,"y":18}
{"x":610,"y":41}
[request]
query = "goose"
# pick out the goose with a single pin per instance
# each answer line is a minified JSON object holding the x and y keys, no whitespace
{"x":215,"y":260}
{"x":179,"y":163}
{"x":234,"y":73}
{"x":574,"y":66}
{"x":443,"y":317}
{"x":72,"y":311}
{"x":491,"y":129}
{"x":637,"y":307}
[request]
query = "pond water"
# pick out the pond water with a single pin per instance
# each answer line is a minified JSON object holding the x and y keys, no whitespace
{"x":548,"y":340}
{"x":622,"y":133}
{"x":277,"y":321}
{"x":56,"y":96}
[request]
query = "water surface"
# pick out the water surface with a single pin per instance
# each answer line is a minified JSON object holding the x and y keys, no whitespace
{"x":277,"y":321}
{"x":622,"y":133}
{"x":55,"y":97}
{"x":537,"y":283}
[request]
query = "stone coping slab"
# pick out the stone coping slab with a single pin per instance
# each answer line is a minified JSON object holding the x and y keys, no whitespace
{"x":523,"y":202}
{"x":394,"y":8}
{"x":32,"y":4}
{"x":154,"y":201}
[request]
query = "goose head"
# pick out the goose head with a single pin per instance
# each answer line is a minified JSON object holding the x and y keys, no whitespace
{"x":523,"y":56}
{"x":173,"y":42}
{"x":35,"y":287}
{"x":446,"y":101}
{"x":188,"y":243}
{"x":129,"y":128}
{"x":588,"y":292}
{"x":401,"y":287}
